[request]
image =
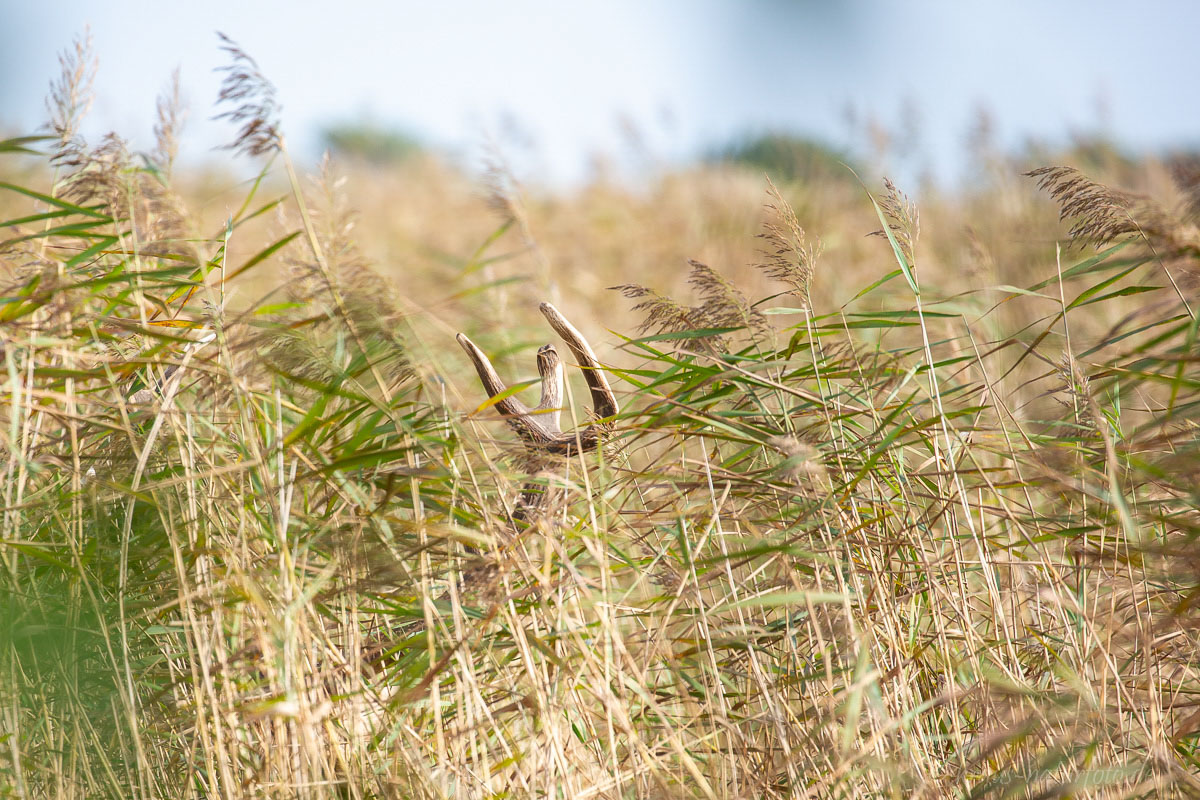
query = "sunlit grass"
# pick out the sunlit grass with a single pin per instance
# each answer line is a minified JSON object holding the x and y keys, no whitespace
{"x":928,"y":533}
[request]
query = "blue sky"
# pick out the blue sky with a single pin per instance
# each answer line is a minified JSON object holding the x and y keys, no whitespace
{"x":555,"y":83}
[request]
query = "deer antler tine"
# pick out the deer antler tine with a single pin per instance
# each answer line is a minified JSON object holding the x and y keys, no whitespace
{"x":604,"y":402}
{"x":532,"y":428}
{"x":492,"y":384}
{"x":550,"y":367}
{"x":540,"y":426}
{"x":510,"y":406}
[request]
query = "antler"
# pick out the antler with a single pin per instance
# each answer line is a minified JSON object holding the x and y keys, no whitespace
{"x":539,"y":426}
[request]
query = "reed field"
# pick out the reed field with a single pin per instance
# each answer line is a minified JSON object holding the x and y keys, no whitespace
{"x":901,"y":499}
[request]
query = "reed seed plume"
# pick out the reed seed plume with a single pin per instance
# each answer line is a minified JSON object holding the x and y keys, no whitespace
{"x":1099,"y":213}
{"x":661,"y":313}
{"x":255,"y":106}
{"x":100,"y":176}
{"x":801,"y":460}
{"x":722,"y":306}
{"x":71,"y":93}
{"x":903,"y":218}
{"x":788,"y":256}
{"x":979,"y":261}
{"x":169,"y":124}
{"x":503,"y":194}
{"x":1185,"y":170}
{"x":1077,"y":389}
{"x":368,"y":299}
{"x":107,"y":179}
{"x":1102,"y":214}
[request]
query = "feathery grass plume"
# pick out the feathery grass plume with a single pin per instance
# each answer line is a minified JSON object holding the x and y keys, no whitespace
{"x":71,"y":94}
{"x":1185,"y":170}
{"x":370,"y":300}
{"x":503,"y":195}
{"x":107,"y":178}
{"x":722,"y":306}
{"x":1103,"y":214}
{"x":100,"y":176}
{"x":788,"y":257}
{"x":903,"y":218}
{"x":979,"y":264}
{"x":1077,"y":388}
{"x":171,"y":116}
{"x":255,"y":107}
{"x":162,"y":222}
{"x":661,"y":313}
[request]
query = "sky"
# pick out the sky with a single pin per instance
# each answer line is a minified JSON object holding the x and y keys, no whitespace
{"x":639,"y":83}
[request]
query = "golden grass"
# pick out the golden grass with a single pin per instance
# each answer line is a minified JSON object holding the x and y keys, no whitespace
{"x":934,"y":540}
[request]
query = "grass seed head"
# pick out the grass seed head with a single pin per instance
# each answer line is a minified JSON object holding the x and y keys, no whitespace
{"x":788,"y":256}
{"x":1102,"y":214}
{"x":903,"y":218}
{"x":722,"y":306}
{"x":71,"y":93}
{"x":255,"y":106}
{"x":171,"y":115}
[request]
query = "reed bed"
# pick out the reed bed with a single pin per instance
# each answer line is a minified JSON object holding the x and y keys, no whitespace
{"x":903,"y":515}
